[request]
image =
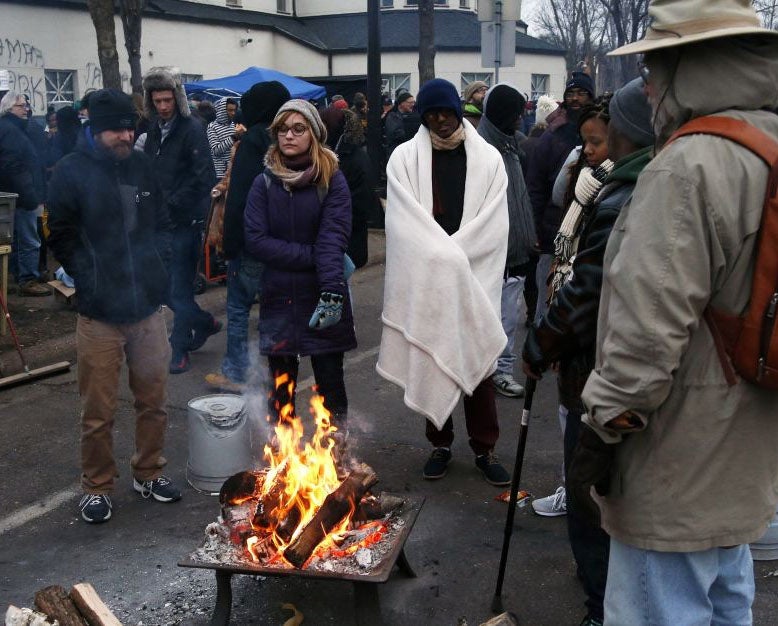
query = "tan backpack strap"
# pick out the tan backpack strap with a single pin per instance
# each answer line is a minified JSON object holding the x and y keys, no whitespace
{"x":743,"y":133}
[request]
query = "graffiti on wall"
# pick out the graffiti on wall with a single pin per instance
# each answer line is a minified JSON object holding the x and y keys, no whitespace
{"x":93,"y":77}
{"x":31,"y":85}
{"x":27,"y":73}
{"x":16,"y":53}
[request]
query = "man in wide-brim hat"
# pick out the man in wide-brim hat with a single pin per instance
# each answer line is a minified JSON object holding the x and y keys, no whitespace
{"x":684,"y":465}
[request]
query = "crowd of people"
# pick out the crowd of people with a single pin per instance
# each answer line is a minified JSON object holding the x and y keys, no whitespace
{"x":618,"y":234}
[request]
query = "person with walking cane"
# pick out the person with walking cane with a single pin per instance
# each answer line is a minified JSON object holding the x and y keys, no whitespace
{"x":566,"y":333}
{"x":680,"y":450}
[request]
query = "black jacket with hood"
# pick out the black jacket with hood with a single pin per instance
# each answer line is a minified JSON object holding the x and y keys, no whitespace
{"x":110,"y":230}
{"x":259,"y":105}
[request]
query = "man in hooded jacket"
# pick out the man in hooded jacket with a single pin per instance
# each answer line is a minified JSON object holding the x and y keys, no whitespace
{"x":178,"y":146}
{"x":244,"y":273}
{"x":222,"y":134}
{"x":684,"y":465}
{"x":502,"y":111}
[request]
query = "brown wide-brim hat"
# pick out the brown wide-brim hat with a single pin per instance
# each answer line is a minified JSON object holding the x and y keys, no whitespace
{"x":680,"y":22}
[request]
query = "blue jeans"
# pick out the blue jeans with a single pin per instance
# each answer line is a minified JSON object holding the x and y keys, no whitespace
{"x":647,"y":588}
{"x":188,"y":316}
{"x":26,"y":245}
{"x":509,"y":312}
{"x":244,"y":283}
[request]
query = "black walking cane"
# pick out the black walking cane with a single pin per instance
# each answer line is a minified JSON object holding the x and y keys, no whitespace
{"x":529,"y":391}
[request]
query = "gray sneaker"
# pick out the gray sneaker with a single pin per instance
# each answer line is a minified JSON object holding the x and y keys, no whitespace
{"x":553,"y":505}
{"x":507,"y":385}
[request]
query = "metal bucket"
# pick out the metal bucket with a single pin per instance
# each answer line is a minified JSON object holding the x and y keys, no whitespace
{"x":766,"y":547}
{"x":220,"y":441}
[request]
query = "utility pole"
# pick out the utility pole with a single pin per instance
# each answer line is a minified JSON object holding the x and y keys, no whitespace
{"x":497,"y":39}
{"x":374,"y":148}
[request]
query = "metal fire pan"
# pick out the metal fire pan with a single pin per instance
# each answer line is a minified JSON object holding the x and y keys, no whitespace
{"x":378,"y":572}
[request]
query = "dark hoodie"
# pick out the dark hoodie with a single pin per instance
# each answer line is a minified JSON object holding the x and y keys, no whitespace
{"x":259,"y":106}
{"x":111,"y":231}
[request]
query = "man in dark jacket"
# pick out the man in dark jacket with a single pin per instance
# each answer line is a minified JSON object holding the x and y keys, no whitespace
{"x":111,"y":231}
{"x":401,"y":122}
{"x":22,"y":175}
{"x":244,"y":273}
{"x":566,"y":334}
{"x":553,"y":148}
{"x":183,"y":165}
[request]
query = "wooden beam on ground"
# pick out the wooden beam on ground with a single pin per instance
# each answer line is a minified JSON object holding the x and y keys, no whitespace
{"x":92,"y":607}
{"x":34,"y":374}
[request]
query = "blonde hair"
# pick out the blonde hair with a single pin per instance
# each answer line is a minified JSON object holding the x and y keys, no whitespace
{"x":325,"y":162}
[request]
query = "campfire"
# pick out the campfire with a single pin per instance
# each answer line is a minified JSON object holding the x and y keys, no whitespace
{"x":310,"y":508}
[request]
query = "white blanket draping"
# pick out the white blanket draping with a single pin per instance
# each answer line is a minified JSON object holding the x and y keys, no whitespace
{"x":441,"y":318}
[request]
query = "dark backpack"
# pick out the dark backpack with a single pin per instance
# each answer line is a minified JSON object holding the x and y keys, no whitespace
{"x":748,"y":344}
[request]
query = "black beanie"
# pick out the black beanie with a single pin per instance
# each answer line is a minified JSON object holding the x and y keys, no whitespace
{"x":503,"y":106}
{"x":631,"y":114}
{"x":111,"y":109}
{"x":262,"y":101}
{"x":405,"y":95}
{"x":579,"y":80}
{"x":438,"y":94}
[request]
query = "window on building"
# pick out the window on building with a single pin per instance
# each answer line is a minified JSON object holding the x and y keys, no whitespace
{"x":282,"y":6}
{"x":464,"y":4}
{"x":234,"y":3}
{"x":539,"y":85}
{"x":60,"y":87}
{"x":191,"y":78}
{"x":387,"y":4}
{"x":468,"y":78}
{"x":390,"y":83}
{"x":443,"y":3}
{"x":411,"y":3}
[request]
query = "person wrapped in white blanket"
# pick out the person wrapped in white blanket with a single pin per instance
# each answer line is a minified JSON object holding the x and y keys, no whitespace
{"x":446,"y":241}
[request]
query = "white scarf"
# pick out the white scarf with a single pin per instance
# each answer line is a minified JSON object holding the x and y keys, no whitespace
{"x":442,"y":332}
{"x":566,"y":242}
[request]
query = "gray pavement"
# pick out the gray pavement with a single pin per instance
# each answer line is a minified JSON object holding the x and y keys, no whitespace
{"x":132,"y":560}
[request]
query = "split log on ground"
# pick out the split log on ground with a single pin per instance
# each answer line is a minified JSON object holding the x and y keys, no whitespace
{"x":15,"y":616}
{"x":92,"y":607}
{"x":334,"y":508}
{"x":503,"y":619}
{"x":54,"y":602}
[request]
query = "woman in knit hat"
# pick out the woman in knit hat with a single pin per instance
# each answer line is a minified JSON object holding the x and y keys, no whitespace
{"x":298,"y":222}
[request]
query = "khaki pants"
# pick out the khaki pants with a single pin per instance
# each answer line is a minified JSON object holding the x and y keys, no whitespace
{"x":101,"y":349}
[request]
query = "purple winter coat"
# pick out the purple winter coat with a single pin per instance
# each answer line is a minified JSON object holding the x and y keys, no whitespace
{"x":301,"y":243}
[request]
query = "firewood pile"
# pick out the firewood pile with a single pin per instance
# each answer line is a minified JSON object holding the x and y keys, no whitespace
{"x":55,"y":606}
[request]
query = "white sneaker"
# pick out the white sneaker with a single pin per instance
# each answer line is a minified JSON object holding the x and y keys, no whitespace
{"x":507,"y":386}
{"x":553,"y":505}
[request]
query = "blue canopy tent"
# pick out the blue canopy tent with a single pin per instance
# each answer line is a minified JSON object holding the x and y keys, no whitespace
{"x":239,"y":84}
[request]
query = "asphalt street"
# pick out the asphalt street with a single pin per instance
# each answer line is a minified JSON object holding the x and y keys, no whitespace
{"x":132,"y":560}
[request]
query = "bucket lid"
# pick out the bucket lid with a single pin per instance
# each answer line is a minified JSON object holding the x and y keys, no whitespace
{"x":221,"y":409}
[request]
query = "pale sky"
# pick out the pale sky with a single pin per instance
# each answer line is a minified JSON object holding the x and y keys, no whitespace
{"x":528,"y":8}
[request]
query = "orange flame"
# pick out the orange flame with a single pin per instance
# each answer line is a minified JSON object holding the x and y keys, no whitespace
{"x":300,"y":475}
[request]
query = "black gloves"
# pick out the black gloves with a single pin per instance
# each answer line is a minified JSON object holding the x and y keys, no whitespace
{"x":590,"y":466}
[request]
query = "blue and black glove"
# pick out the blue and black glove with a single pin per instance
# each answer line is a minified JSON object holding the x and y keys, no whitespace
{"x":328,"y":311}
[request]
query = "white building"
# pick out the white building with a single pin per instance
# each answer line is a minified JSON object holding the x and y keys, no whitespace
{"x":50,"y":51}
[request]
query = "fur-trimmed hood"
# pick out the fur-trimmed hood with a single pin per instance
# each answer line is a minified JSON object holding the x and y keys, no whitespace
{"x":159,"y":79}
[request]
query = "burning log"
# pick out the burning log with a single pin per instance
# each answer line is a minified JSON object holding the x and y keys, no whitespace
{"x":336,"y":506}
{"x":54,"y":602}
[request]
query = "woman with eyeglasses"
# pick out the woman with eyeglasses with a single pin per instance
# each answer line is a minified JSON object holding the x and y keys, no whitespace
{"x":298,"y":223}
